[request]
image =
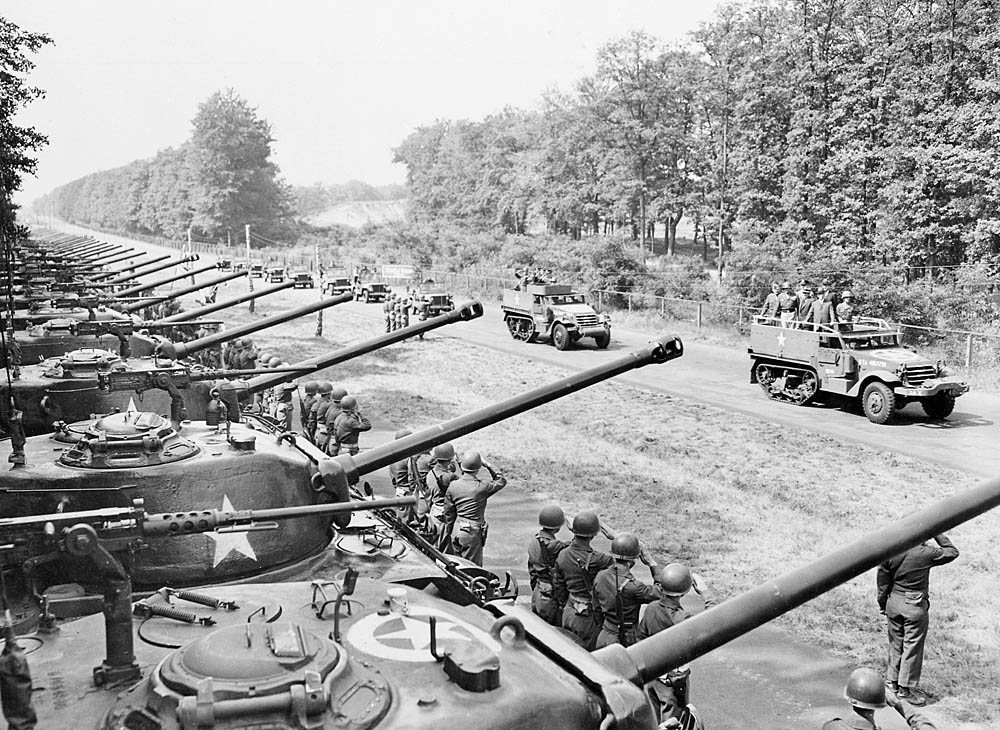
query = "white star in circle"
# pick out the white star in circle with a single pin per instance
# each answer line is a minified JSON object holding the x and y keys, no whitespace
{"x":227,"y":542}
{"x":781,"y":339}
{"x":418,"y":632}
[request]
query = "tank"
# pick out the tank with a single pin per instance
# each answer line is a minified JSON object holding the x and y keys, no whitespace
{"x":362,"y":653}
{"x":220,"y":465}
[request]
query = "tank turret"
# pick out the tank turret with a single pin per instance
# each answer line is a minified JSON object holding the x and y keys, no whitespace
{"x":109,"y":462}
{"x":293,"y":655}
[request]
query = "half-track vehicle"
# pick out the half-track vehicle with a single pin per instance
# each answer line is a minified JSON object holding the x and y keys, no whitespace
{"x":303,"y":280}
{"x":276,"y":275}
{"x":337,"y":285}
{"x":370,"y":291}
{"x":860,"y":360}
{"x":554,"y":312}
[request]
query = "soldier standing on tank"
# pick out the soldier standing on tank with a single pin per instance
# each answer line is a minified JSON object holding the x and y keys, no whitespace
{"x":619,"y":595}
{"x":674,"y":582}
{"x":329,"y":417}
{"x":866,"y":693}
{"x":543,"y":550}
{"x":573,"y":580}
{"x":903,"y":588}
{"x":465,"y":506}
{"x":317,"y":423}
{"x":305,"y":405}
{"x":348,"y":425}
{"x":439,"y":477}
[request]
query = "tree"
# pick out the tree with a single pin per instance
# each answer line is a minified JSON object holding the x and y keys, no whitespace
{"x":17,"y":143}
{"x":234,"y":181}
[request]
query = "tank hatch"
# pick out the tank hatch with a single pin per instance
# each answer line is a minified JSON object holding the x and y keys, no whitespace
{"x":127,"y":441}
{"x":83,"y":363}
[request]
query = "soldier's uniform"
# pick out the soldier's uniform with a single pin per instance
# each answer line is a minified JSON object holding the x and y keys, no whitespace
{"x":346,"y":429}
{"x":404,"y":481}
{"x":619,"y":596}
{"x":543,"y":550}
{"x":465,"y":512}
{"x":328,"y":422}
{"x":317,"y":420}
{"x":915,"y":719}
{"x":305,"y":406}
{"x":572,"y":584}
{"x":439,"y":477}
{"x":387,"y":308}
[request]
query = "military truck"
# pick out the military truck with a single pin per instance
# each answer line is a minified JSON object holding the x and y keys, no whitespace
{"x":556,"y":312}
{"x":861,"y":360}
{"x":432,"y":303}
{"x":256,"y":271}
{"x":276,"y":274}
{"x":303,"y":280}
{"x":370,"y":291}
{"x":337,"y":284}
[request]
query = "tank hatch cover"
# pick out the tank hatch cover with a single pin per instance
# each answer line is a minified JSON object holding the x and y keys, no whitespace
{"x":83,"y":363}
{"x":249,"y":659}
{"x":128,"y":441}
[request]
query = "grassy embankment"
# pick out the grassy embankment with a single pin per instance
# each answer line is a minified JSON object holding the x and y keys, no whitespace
{"x":727,"y":493}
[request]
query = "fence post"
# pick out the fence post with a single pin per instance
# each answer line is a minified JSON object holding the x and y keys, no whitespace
{"x":740,"y":319}
{"x":968,"y":350}
{"x":699,"y":315}
{"x":630,"y":302}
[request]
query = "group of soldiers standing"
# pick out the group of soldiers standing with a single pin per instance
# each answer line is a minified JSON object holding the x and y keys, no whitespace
{"x":397,"y":311}
{"x":809,"y":307}
{"x":331,"y":418}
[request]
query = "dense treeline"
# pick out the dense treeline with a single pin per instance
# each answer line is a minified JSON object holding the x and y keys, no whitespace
{"x":862,"y":131}
{"x":214,"y":184}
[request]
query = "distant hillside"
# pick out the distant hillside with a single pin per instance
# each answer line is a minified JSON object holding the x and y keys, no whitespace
{"x":357,"y":213}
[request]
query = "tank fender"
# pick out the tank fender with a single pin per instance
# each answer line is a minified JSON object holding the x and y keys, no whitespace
{"x":883,"y":376}
{"x":335,"y":477}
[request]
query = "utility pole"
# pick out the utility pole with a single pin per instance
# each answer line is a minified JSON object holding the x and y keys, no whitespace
{"x":188,"y":251}
{"x":249,"y":272}
{"x":321,"y":283}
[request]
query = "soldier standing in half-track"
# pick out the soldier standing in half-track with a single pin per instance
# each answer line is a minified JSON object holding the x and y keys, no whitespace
{"x":573,"y":580}
{"x":619,"y":595}
{"x":543,"y":550}
{"x":465,"y":507}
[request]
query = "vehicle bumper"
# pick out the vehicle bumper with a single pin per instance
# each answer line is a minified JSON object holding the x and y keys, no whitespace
{"x":593,"y":331}
{"x":932,"y":387}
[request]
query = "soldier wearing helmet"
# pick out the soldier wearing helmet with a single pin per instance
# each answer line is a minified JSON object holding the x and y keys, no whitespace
{"x":619,"y":595}
{"x":845,"y":311}
{"x":439,"y":477}
{"x":403,"y":476}
{"x":465,"y":506}
{"x":668,"y":694}
{"x":305,"y":404}
{"x":387,"y":308}
{"x":788,"y":305}
{"x":317,"y":414}
{"x":330,"y":415}
{"x":543,"y":550}
{"x":348,"y":425}
{"x":867,"y":693}
{"x":573,"y":579}
{"x":675,"y":581}
{"x":284,"y":409}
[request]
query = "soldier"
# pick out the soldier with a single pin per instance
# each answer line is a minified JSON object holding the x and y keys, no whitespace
{"x":903,"y":589}
{"x":284,"y":409}
{"x":675,"y":581}
{"x":543,"y":550}
{"x":619,"y":595}
{"x":788,"y":305}
{"x":845,"y":311}
{"x":866,"y":693}
{"x":439,"y":477}
{"x":770,"y":308}
{"x":330,"y":419}
{"x":305,"y":405}
{"x":403,"y":311}
{"x":403,"y":475}
{"x":573,"y":580}
{"x":803,"y":312}
{"x":348,"y":425}
{"x":465,"y":506}
{"x":387,"y":308}
{"x":317,"y":422}
{"x":669,"y":697}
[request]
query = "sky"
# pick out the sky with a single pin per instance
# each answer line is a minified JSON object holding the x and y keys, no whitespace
{"x":341,"y":83}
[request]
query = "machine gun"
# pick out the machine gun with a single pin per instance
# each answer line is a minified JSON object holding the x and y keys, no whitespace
{"x":96,"y":534}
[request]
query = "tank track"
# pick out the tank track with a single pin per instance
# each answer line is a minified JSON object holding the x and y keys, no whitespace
{"x":786,"y":384}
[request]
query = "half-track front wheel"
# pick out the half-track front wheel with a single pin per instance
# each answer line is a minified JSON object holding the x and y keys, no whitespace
{"x":603,"y":340}
{"x":364,"y":296}
{"x":879,"y":403}
{"x":560,"y":337}
{"x":938,"y":406}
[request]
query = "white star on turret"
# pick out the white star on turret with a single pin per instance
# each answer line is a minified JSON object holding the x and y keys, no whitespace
{"x":417,"y":632}
{"x":227,"y":542}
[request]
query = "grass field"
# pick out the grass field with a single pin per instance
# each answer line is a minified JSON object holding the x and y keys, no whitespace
{"x":733,"y":496}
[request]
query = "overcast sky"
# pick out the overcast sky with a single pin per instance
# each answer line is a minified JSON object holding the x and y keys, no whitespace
{"x":341,"y":83}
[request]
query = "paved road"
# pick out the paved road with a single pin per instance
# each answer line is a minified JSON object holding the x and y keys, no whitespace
{"x":767,"y":678}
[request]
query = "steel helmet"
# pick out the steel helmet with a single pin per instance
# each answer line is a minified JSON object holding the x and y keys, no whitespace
{"x":551,"y":516}
{"x":264,"y":357}
{"x":348,"y":403}
{"x":675,"y":580}
{"x":786,"y":285}
{"x":865,"y":689}
{"x":312,"y":387}
{"x":274,"y":362}
{"x":625,"y":546}
{"x":337,"y":393}
{"x":471,"y":462}
{"x":423,"y":463}
{"x":586,"y":524}
{"x":237,"y":343}
{"x":290,"y":386}
{"x":403,"y":433}
{"x":443,"y":453}
{"x":325,"y":387}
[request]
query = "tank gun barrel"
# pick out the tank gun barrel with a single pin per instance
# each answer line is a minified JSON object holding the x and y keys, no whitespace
{"x":674,"y":647}
{"x":92,"y":250}
{"x":186,"y":317}
{"x":176,"y":294}
{"x":659,"y":351}
{"x":140,"y":288}
{"x":133,"y":266}
{"x":124,"y":277}
{"x":176,"y":377}
{"x":176,"y":351}
{"x":467,"y":312}
{"x":96,"y":254}
{"x":113,"y":258}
